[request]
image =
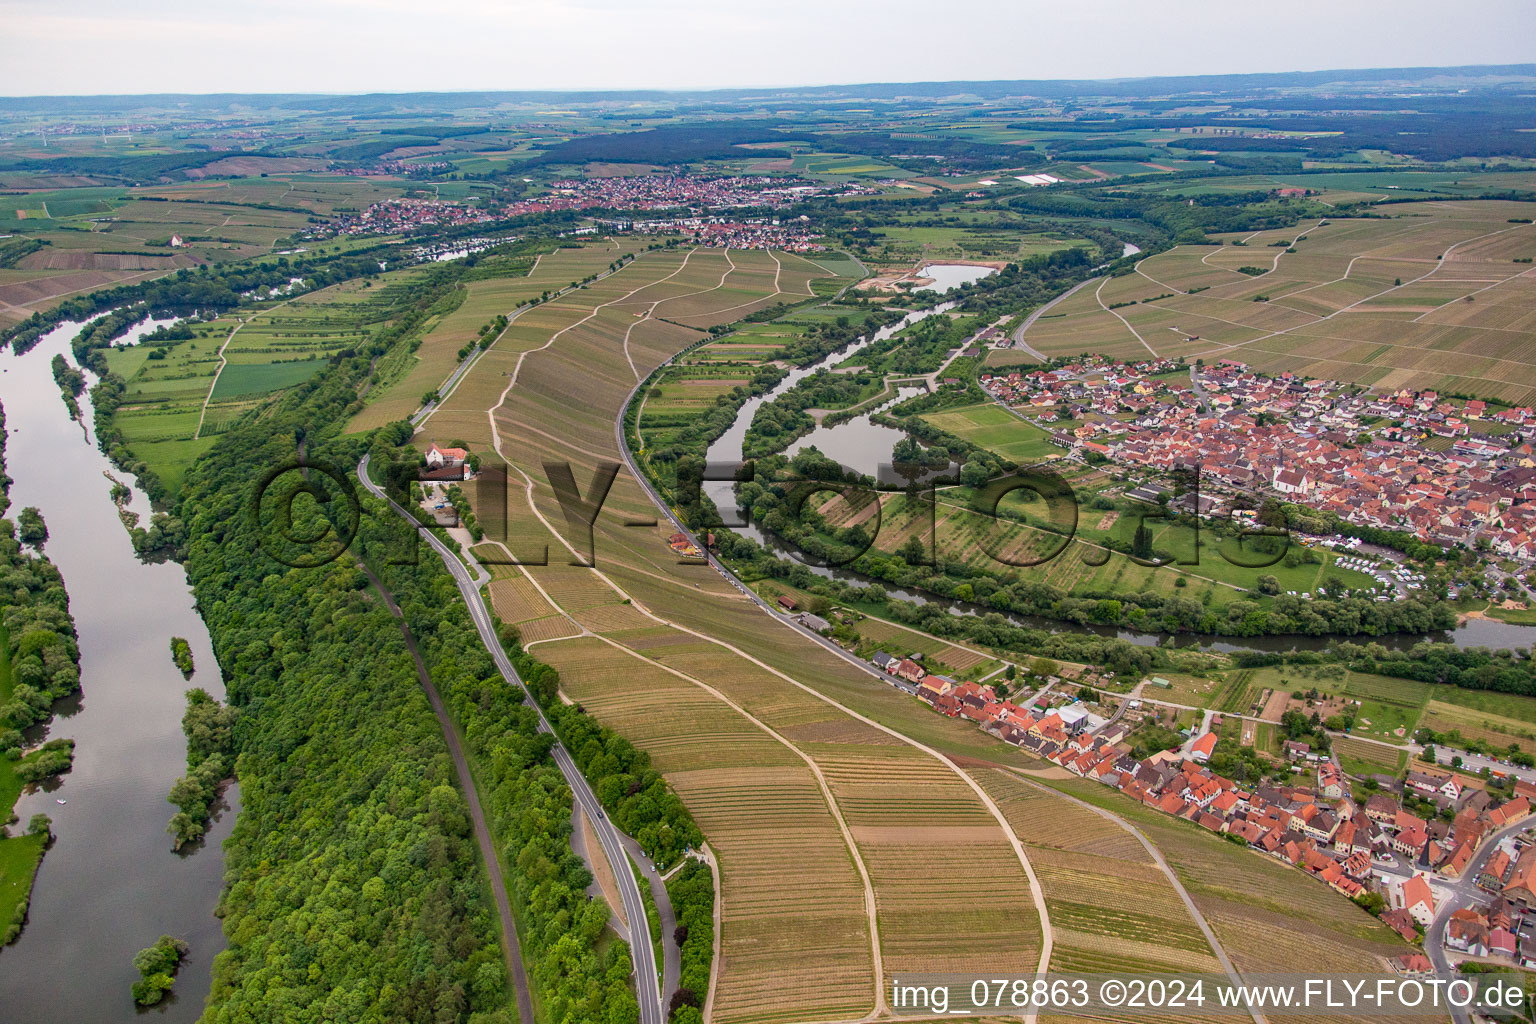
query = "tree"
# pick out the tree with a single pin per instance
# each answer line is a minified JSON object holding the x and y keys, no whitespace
{"x":32,"y":530}
{"x":1141,"y":542}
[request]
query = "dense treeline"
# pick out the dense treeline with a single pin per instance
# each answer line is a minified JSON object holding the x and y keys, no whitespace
{"x":772,"y":505}
{"x":1172,"y":218}
{"x":206,"y":290}
{"x":40,"y":634}
{"x":350,"y":826}
{"x":1434,"y":128}
{"x":210,"y":730}
{"x":692,"y":891}
{"x":526,"y":798}
{"x":933,"y":153}
{"x":348,"y":808}
{"x":632,"y":792}
{"x":779,"y":422}
{"x":1471,"y":668}
{"x":673,"y":144}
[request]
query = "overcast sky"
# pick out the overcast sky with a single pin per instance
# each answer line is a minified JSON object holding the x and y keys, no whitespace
{"x":108,"y":46}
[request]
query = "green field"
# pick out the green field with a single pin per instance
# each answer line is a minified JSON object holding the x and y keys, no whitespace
{"x":992,"y":427}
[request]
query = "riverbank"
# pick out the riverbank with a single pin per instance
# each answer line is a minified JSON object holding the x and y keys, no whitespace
{"x":111,"y":859}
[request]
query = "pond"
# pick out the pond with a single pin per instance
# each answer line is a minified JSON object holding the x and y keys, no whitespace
{"x":109,"y":885}
{"x":951,"y":275}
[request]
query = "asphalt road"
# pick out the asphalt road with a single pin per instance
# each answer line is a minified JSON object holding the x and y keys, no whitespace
{"x":647,"y":987}
{"x":1018,"y":334}
{"x":1464,"y":891}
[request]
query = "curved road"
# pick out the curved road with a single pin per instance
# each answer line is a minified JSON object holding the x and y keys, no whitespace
{"x":647,"y":988}
{"x":1018,"y":333}
{"x":1463,"y":892}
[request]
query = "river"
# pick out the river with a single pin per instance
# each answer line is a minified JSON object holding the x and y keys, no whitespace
{"x":861,"y":445}
{"x":109,"y":885}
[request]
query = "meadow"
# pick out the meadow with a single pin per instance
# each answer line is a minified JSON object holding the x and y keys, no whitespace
{"x":181,"y":394}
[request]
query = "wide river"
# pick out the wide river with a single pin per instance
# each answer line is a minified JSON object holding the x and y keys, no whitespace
{"x":109,"y":885}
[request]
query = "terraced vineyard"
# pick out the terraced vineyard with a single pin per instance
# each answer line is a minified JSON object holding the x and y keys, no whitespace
{"x":822,"y":860}
{"x":848,"y":847}
{"x":1112,"y":907}
{"x":1433,"y":297}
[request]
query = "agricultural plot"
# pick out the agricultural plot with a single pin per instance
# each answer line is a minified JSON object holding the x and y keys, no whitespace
{"x":970,"y":663}
{"x":1112,"y":908}
{"x":996,"y":429}
{"x":484,"y":300}
{"x":1011,"y":550}
{"x":794,"y":794}
{"x":181,"y":394}
{"x":1497,"y":722}
{"x":1262,"y":911}
{"x":1431,"y":298}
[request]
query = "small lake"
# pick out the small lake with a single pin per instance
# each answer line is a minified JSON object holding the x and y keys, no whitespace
{"x":858,"y":444}
{"x":951,"y":275}
{"x":109,"y":885}
{"x":727,"y":447}
{"x":861,"y":445}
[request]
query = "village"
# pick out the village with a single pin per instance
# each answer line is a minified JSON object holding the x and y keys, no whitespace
{"x":1396,"y":847}
{"x":1452,"y":472}
{"x":698,"y":194}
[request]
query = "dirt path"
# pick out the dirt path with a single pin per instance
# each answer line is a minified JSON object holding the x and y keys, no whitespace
{"x":488,"y":856}
{"x":1172,"y":876}
{"x":203,"y":412}
{"x":1037,"y":893}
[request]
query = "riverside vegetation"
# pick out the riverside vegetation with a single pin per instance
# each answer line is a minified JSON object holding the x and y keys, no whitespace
{"x":39,"y":665}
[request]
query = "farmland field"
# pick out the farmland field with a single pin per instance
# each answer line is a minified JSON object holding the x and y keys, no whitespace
{"x":1430,"y":297}
{"x":735,"y":732}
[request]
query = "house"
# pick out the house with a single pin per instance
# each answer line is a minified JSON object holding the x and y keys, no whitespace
{"x":1510,"y":812}
{"x":1467,"y":932}
{"x":1432,"y":785}
{"x":884,"y":662}
{"x":1521,"y":887}
{"x":1401,"y":921}
{"x":1501,"y":942}
{"x":1381,"y":807}
{"x":787,"y":603}
{"x":1330,"y":781}
{"x":1414,"y":896}
{"x":1202,"y":748}
{"x":934,"y":687}
{"x":910,"y":670}
{"x":1292,"y":481}
{"x":1295,"y":750}
{"x":1410,"y":842}
{"x":1492,"y":876}
{"x":1458,"y":861}
{"x":446,"y":463}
